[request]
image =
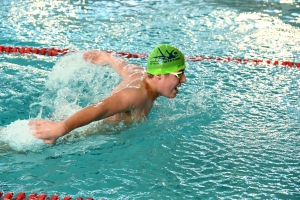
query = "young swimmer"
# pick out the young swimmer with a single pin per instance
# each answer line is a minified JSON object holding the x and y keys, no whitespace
{"x":131,"y":100}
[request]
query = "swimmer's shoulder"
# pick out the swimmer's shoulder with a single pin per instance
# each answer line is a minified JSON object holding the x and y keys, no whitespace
{"x":134,"y":69}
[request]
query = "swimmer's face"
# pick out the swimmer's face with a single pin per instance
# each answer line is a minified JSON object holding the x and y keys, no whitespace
{"x":171,"y":83}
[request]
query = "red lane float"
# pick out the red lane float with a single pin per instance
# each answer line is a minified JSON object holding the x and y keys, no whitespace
{"x":8,"y":196}
{"x":22,"y":196}
{"x":198,"y":58}
{"x":27,"y":50}
{"x":245,"y":61}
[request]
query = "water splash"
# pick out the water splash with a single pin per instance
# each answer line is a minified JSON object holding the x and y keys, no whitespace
{"x":72,"y":84}
{"x":19,"y":137}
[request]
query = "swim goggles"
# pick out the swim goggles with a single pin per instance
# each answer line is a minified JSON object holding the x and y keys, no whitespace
{"x":178,"y":74}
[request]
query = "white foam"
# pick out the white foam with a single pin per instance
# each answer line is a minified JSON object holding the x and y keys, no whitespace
{"x":19,"y":137}
{"x":72,"y":84}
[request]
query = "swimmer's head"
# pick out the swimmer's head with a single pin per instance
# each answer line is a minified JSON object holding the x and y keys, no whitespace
{"x":165,"y":59}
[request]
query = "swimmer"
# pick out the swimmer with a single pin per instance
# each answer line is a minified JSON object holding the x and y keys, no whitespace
{"x":132,"y":100}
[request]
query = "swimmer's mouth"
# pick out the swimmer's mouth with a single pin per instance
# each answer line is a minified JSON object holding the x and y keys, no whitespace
{"x":177,"y":88}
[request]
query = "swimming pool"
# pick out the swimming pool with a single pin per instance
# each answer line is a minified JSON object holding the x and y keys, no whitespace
{"x":232,"y":132}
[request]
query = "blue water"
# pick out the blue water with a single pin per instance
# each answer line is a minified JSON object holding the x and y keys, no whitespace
{"x":231,"y":133}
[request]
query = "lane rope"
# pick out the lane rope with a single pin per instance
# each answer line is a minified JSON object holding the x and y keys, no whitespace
{"x":197,"y":58}
{"x":34,"y":196}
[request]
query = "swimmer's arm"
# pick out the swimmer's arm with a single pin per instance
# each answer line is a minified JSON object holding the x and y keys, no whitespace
{"x":120,"y":102}
{"x":123,"y":68}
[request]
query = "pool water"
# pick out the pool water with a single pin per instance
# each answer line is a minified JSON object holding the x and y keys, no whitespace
{"x":231,"y":133}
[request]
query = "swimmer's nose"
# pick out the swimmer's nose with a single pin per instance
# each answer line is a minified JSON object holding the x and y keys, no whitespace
{"x":182,"y":78}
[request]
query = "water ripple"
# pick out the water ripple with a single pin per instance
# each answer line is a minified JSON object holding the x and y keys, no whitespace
{"x":232,"y":133}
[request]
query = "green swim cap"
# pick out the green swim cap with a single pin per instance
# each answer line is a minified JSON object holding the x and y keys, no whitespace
{"x":165,"y":59}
